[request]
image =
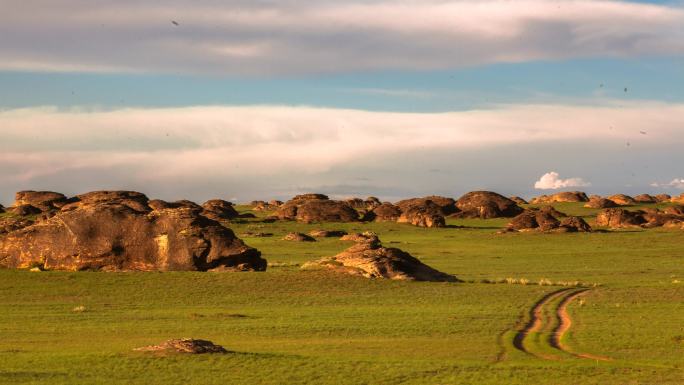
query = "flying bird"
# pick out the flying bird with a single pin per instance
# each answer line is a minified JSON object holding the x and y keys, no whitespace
{"x":625,"y":89}
{"x":174,"y":22}
{"x":642,"y":132}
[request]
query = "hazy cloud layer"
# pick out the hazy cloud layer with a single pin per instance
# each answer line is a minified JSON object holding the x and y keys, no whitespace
{"x":304,"y":37}
{"x":553,"y":181}
{"x":211,"y":145}
{"x":677,"y":183}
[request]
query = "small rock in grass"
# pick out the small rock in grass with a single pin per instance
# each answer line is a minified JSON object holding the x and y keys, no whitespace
{"x":185,"y":345}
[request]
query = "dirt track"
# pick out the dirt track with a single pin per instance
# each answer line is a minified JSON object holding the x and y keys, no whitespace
{"x":538,"y":323}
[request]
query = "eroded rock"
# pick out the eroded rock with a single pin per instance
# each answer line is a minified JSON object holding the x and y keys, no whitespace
{"x":118,"y":231}
{"x":371,"y":260}
{"x":485,"y":205}
{"x":185,"y":345}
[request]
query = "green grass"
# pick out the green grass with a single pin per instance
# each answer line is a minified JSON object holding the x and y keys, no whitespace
{"x":288,"y":326}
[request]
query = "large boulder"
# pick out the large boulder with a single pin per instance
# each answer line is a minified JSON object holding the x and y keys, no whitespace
{"x":119,"y":231}
{"x":486,"y":204}
{"x":645,"y":198}
{"x":533,"y":220}
{"x":600,"y":203}
{"x":617,"y":217}
{"x":42,"y":200}
{"x":622,"y":199}
{"x":316,"y":208}
{"x":426,"y":214}
{"x":445,"y":206}
{"x":371,"y":260}
{"x":573,"y":225}
{"x":660,"y":198}
{"x":540,"y":220}
{"x":218,"y":209}
{"x":566,"y":196}
{"x":386,"y":212}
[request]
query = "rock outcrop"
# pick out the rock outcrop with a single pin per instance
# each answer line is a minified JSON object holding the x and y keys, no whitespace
{"x":617,"y":217}
{"x":645,"y":198}
{"x":309,"y":208}
{"x":486,"y":204}
{"x":600,"y":203}
{"x":298,"y":237}
{"x":218,"y":210}
{"x":566,"y":196}
{"x":43,"y":200}
{"x":185,"y":345}
{"x":327,"y":233}
{"x":443,"y":205}
{"x":622,"y":199}
{"x":660,"y":198}
{"x":120,"y":230}
{"x":545,"y":221}
{"x":386,"y":212}
{"x":371,"y":260}
{"x":423,"y":214}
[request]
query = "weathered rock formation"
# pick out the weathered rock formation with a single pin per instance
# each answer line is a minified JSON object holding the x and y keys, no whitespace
{"x":600,"y":203}
{"x":427,"y":214}
{"x":538,"y":220}
{"x":645,"y":198}
{"x":678,"y":199}
{"x":444,"y":206}
{"x":369,"y":259}
{"x":310,"y":208}
{"x":617,"y":217}
{"x":486,"y":204}
{"x":385,"y":212}
{"x":218,"y":210}
{"x":366,"y":236}
{"x":120,"y":230}
{"x":552,"y":211}
{"x":298,"y":237}
{"x":185,"y":345}
{"x":622,"y":199}
{"x":43,"y":200}
{"x":566,"y":196}
{"x":327,"y":233}
{"x":662,"y":198}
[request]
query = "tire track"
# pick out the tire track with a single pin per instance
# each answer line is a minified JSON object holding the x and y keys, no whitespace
{"x":538,"y":322}
{"x":535,"y":324}
{"x":564,"y":324}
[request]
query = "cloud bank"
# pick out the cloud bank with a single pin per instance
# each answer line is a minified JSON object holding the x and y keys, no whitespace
{"x":214,"y":143}
{"x":552,"y":181}
{"x":294,"y":37}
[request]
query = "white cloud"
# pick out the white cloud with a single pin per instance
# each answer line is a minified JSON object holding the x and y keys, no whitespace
{"x":214,"y":142}
{"x":552,"y":181}
{"x":677,"y":183}
{"x":267,"y":37}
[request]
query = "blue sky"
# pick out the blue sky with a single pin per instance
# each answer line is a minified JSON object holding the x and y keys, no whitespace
{"x":260,"y":99}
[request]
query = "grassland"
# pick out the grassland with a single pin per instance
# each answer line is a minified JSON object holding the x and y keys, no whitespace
{"x":288,"y":326}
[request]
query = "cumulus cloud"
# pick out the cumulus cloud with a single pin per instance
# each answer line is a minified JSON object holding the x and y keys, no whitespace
{"x":552,"y":181}
{"x":677,"y":183}
{"x":295,"y":37}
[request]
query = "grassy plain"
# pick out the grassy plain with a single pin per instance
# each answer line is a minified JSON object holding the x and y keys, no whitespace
{"x":288,"y":326}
